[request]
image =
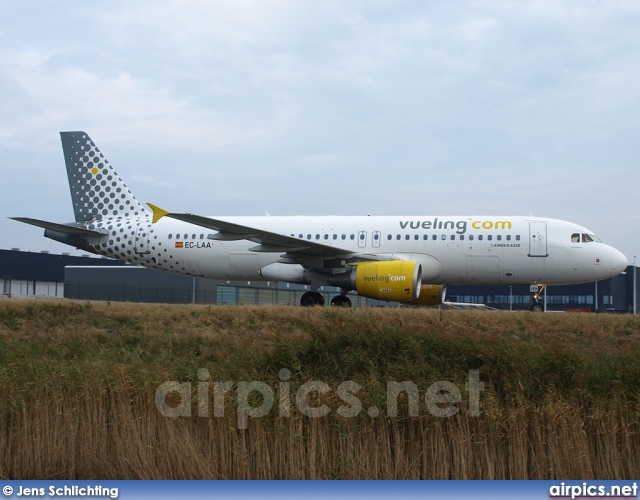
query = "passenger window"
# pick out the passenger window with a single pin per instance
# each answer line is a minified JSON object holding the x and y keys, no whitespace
{"x":444,"y":236}
{"x":300,"y":236}
{"x":471,"y":237}
{"x":202,"y":236}
{"x":489,"y":237}
{"x":416,"y":237}
{"x":335,"y":236}
{"x":186,"y":236}
{"x":389,"y":237}
{"x":170,"y":236}
{"x":479,"y":237}
{"x":499,"y":237}
{"x":308,"y":236}
{"x":517,"y":237}
{"x":425,"y":237}
{"x":376,"y":236}
{"x":575,"y":238}
{"x":352,"y":237}
{"x":326,"y":236}
{"x":317,"y":236}
{"x":193,"y":236}
{"x":344,"y":236}
{"x":398,"y":236}
{"x":407,"y":237}
{"x":362,"y":237}
{"x":177,"y":236}
{"x":508,"y":237}
{"x":453,"y":237}
{"x":461,"y":237}
{"x":434,"y":237}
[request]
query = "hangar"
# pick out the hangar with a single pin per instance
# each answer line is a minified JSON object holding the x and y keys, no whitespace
{"x":25,"y":274}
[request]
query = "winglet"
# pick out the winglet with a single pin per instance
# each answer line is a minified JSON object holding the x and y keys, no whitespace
{"x":158,"y":213}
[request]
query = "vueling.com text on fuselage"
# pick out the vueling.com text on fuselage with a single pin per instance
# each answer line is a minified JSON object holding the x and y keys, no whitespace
{"x":460,"y":226}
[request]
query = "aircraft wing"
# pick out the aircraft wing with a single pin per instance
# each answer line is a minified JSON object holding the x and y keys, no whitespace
{"x":266,"y":240}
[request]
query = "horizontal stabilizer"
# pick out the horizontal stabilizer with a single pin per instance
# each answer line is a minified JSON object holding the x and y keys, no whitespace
{"x":60,"y":228}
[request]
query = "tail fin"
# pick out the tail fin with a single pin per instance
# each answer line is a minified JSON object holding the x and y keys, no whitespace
{"x":97,"y":191}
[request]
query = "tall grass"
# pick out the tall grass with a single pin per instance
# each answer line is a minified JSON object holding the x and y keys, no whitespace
{"x":560,"y":399}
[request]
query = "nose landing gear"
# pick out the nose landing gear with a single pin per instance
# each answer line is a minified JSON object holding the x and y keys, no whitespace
{"x":535,"y":305}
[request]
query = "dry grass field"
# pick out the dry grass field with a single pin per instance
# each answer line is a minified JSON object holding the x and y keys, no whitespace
{"x":561,"y":394}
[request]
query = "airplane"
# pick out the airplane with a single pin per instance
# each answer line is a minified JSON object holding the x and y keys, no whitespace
{"x":405,"y":259}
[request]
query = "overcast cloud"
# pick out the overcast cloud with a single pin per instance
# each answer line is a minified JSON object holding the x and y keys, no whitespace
{"x":234,"y":108}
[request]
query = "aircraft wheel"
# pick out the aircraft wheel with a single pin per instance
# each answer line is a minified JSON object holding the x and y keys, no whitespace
{"x":340,"y":301}
{"x":310,"y":299}
{"x":536,"y":308}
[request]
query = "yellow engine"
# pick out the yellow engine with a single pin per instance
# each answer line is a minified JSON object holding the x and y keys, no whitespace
{"x":430,"y":295}
{"x":396,"y":280}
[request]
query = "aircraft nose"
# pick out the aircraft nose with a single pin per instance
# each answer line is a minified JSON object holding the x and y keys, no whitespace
{"x":618,"y":262}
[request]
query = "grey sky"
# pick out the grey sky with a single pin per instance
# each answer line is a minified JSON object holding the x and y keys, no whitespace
{"x":234,"y":108}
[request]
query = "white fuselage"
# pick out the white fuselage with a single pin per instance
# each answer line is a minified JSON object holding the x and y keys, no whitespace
{"x":491,"y":250}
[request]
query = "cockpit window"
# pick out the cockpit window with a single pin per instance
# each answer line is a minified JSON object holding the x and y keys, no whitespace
{"x":585,"y":238}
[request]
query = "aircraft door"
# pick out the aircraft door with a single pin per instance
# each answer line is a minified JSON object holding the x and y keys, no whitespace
{"x":376,"y":239}
{"x":362,"y":239}
{"x":142,"y":238}
{"x":538,"y":239}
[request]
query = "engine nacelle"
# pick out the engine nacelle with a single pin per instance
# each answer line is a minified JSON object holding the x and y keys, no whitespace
{"x":430,"y":295}
{"x":394,"y":280}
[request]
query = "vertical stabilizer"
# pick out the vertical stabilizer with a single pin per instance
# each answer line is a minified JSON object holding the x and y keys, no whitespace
{"x":97,"y":191}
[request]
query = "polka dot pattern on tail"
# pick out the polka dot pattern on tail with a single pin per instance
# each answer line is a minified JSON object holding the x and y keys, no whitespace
{"x":97,"y":191}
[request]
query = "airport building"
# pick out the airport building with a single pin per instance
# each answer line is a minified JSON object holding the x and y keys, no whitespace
{"x":29,"y":274}
{"x":24,"y":274}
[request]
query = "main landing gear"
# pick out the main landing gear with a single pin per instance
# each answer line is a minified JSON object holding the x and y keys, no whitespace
{"x":340,"y":301}
{"x":535,"y":305}
{"x":310,"y":299}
